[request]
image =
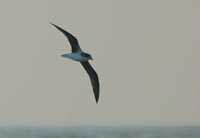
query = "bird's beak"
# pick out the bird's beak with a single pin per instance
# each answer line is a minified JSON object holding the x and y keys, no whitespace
{"x":91,"y":58}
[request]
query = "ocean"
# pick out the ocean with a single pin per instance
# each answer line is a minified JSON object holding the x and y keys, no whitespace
{"x":99,"y":132}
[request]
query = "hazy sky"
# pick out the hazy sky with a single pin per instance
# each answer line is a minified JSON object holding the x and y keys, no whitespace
{"x":146,"y":53}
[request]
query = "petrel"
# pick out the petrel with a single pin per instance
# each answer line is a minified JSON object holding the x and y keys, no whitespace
{"x":82,"y":57}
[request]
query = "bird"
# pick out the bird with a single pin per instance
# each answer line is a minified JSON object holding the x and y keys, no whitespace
{"x":78,"y":55}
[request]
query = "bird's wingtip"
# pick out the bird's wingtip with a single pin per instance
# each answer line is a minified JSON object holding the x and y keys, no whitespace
{"x":96,"y":99}
{"x":52,"y":23}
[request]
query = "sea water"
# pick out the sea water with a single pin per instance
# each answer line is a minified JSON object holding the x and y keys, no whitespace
{"x":99,"y":132}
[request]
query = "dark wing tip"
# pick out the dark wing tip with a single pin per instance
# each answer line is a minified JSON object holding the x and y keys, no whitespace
{"x":72,"y":40}
{"x":52,"y":24}
{"x":57,"y":27}
{"x":95,"y":86}
{"x":96,"y":96}
{"x":93,"y":78}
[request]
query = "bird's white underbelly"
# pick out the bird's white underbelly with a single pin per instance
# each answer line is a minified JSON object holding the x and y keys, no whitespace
{"x":76,"y":57}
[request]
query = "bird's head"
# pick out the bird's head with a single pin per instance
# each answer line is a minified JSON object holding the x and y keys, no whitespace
{"x":86,"y":55}
{"x":90,"y":57}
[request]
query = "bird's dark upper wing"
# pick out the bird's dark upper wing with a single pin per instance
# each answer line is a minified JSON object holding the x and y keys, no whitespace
{"x":93,"y":77}
{"x":73,"y":41}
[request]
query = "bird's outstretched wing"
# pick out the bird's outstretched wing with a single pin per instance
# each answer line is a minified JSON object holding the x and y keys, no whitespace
{"x":93,"y":77}
{"x":72,"y":40}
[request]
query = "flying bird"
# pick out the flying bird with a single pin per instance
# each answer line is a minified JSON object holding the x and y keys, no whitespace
{"x":82,"y":57}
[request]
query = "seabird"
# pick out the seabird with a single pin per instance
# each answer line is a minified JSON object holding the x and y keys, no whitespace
{"x":82,"y":57}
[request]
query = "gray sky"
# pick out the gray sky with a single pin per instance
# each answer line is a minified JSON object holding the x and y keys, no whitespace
{"x":146,"y":54}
